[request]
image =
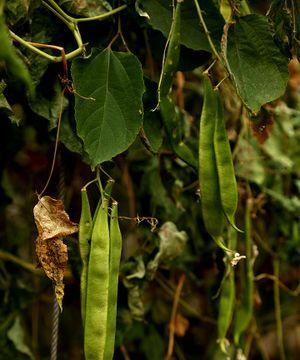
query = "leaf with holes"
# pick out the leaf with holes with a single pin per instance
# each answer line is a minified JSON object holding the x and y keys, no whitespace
{"x":108,"y":110}
{"x":256,"y":64}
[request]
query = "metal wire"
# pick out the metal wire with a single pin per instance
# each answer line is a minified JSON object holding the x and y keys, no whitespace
{"x":56,"y":309}
{"x":55,"y":327}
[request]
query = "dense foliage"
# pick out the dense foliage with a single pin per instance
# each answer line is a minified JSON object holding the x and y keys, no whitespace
{"x":121,"y":92}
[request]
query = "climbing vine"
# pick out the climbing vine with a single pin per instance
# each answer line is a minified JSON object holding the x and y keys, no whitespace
{"x":167,"y":131}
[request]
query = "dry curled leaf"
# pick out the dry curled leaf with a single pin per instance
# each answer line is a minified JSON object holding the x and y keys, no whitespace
{"x":53,"y":223}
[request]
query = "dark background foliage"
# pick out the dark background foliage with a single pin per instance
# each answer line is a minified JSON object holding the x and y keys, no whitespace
{"x":150,"y":182}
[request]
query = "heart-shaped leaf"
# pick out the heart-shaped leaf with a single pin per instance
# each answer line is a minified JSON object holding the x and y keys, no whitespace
{"x":108,"y":109}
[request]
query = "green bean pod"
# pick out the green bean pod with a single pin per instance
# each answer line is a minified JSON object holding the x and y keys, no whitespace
{"x":227,"y":299}
{"x":171,"y":60}
{"x":14,"y":65}
{"x":226,"y":176}
{"x":212,"y":212}
{"x":85,"y":233}
{"x":244,"y":311}
{"x":114,"y":264}
{"x":97,"y":287}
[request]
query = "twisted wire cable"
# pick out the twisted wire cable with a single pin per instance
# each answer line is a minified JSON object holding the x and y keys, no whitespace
{"x":56,"y":310}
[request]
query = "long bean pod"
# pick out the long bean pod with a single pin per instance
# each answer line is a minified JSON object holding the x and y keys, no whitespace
{"x":114,"y":263}
{"x":212,"y":212}
{"x":171,"y":58}
{"x":169,"y":112}
{"x":244,"y":311}
{"x":226,"y":176}
{"x":227,"y":299}
{"x":85,"y":233}
{"x":97,"y":287}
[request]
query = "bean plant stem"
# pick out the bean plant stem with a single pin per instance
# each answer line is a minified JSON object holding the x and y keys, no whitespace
{"x":71,"y":24}
{"x":101,"y":16}
{"x":58,"y":9}
{"x":173,"y":316}
{"x":211,"y":44}
{"x":278,"y":310}
{"x":6,"y":256}
{"x":57,"y":14}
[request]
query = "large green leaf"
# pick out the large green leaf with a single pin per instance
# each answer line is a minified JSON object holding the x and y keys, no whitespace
{"x":257,"y":66}
{"x":192,"y":34}
{"x":109,"y":123}
{"x":9,"y":59}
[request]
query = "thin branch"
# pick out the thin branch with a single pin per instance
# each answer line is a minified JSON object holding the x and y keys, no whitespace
{"x":185,"y":305}
{"x":101,"y":16}
{"x":59,"y":15}
{"x":6,"y":256}
{"x":262,"y":276}
{"x":173,"y":316}
{"x":277,"y":306}
{"x":124,"y":352}
{"x":56,"y":142}
{"x":29,"y":46}
{"x":58,"y":9}
{"x":211,"y":44}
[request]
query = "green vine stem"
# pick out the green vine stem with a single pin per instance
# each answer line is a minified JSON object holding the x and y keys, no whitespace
{"x":278,"y":310}
{"x":211,"y":44}
{"x":71,"y":24}
{"x":42,"y":53}
{"x":101,"y":16}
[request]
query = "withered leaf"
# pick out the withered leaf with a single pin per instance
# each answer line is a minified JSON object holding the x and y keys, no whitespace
{"x":262,"y":127}
{"x":51,"y":219}
{"x":53,"y":223}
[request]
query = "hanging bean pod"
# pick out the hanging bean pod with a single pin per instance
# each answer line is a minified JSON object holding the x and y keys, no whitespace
{"x":114,"y":263}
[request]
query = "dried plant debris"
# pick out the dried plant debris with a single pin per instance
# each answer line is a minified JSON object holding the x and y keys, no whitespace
{"x":53,"y":223}
{"x":262,"y":126}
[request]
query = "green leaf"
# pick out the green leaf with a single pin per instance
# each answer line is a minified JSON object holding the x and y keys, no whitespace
{"x":193,"y":36}
{"x":17,"y":335}
{"x":69,"y":137}
{"x":47,"y":102}
{"x":257,"y":66}
{"x":109,"y":123}
{"x":153,"y":130}
{"x":13,"y":64}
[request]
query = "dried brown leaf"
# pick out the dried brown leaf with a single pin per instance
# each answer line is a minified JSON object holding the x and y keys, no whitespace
{"x":51,"y":219}
{"x":262,"y":127}
{"x":53,"y":223}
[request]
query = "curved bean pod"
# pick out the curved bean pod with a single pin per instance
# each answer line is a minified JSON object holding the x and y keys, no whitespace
{"x":212,"y":212}
{"x":226,"y":176}
{"x":172,"y":56}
